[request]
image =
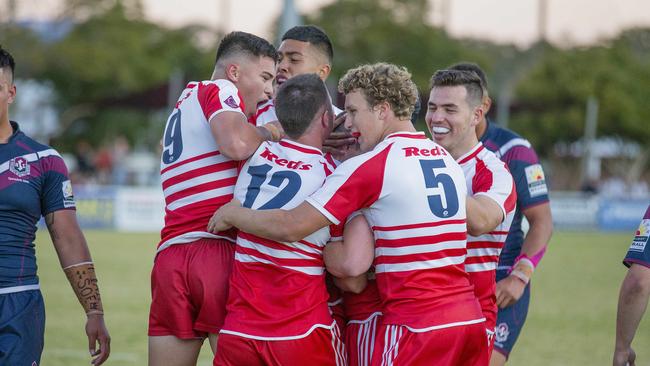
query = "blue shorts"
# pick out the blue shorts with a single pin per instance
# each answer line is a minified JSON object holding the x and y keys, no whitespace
{"x":510,"y":320}
{"x":22,"y":328}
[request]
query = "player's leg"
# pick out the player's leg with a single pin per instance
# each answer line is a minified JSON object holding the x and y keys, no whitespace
{"x":173,"y":351}
{"x":172,"y":337}
{"x":22,"y":328}
{"x":213,"y":338}
{"x":510,"y":322}
{"x":322,"y":347}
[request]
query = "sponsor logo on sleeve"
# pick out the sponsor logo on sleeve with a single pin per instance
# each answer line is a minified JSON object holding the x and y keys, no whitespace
{"x":230,"y":102}
{"x":536,"y":181}
{"x":19,"y":166}
{"x":68,"y":197}
{"x":641,"y":237}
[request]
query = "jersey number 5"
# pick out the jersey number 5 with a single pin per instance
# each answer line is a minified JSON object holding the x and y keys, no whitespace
{"x":444,"y":200}
{"x":258,"y":175}
{"x":173,"y":141}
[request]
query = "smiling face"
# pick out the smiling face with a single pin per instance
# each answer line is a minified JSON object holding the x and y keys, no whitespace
{"x":254,"y":80}
{"x":452,"y":120}
{"x":363,"y":120}
{"x":297,"y":58}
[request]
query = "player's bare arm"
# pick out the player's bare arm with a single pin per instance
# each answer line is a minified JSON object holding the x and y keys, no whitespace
{"x":77,"y":264}
{"x":483,"y":215}
{"x":510,"y":289}
{"x":352,"y":284}
{"x":353,"y":256}
{"x":238,"y":139}
{"x":279,"y":225}
{"x":632,"y":303}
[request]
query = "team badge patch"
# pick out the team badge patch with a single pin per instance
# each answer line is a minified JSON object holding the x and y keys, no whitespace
{"x":68,"y":197}
{"x":19,"y":166}
{"x":502,"y":332}
{"x":230,"y":102}
{"x":536,"y":181}
{"x":641,"y":236}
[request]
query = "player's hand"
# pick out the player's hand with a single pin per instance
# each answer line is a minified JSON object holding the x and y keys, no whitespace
{"x":509,"y":290}
{"x":98,"y":334}
{"x":339,"y":139}
{"x":625,"y":357}
{"x":218,"y":220}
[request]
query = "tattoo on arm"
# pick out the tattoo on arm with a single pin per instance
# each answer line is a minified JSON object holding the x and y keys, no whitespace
{"x":49,"y":221}
{"x":84,"y":283}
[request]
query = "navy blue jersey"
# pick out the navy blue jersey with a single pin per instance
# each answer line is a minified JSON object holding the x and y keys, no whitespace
{"x":530,"y":182}
{"x":33,"y":183}
{"x":639,"y":251}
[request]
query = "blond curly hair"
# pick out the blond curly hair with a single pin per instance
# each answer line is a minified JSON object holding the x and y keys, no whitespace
{"x":383,"y":82}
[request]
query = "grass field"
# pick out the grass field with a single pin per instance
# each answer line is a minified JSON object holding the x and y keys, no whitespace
{"x":571,"y":320}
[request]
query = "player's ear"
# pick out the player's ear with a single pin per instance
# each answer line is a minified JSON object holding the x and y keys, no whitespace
{"x":233,"y":72}
{"x":324,"y":71}
{"x":12,"y":93}
{"x":383,"y":108}
{"x":477,"y":115}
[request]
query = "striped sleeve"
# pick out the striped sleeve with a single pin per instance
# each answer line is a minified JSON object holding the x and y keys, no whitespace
{"x":215,"y":98}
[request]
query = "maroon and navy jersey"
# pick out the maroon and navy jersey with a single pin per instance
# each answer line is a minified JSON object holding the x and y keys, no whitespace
{"x":488,"y":176}
{"x":412,"y":193}
{"x":277,"y":289}
{"x":639,"y":251}
{"x":197,"y":178}
{"x":33,"y":183}
{"x":530,"y":182}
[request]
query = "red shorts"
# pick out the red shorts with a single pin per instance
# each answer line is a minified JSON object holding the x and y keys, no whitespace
{"x":490,"y":341}
{"x":322,"y":347}
{"x":459,"y":345}
{"x":189,"y":288}
{"x":360,"y":340}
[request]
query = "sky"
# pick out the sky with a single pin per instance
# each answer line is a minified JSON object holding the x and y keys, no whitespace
{"x":569,"y":22}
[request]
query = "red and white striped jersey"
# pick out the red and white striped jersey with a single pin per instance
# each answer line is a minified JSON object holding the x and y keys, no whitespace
{"x":487,"y":175}
{"x":266,"y":113}
{"x":413,"y":196}
{"x":277,"y":290}
{"x":196,"y":178}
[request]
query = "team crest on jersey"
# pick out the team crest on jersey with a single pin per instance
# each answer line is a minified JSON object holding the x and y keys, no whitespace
{"x":230,"y":102}
{"x":641,"y":236}
{"x":502,"y":332}
{"x":19,"y":166}
{"x":68,"y":197}
{"x":536,"y":181}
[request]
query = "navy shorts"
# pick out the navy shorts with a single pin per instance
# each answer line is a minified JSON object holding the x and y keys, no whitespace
{"x":22,"y":328}
{"x":510,"y":320}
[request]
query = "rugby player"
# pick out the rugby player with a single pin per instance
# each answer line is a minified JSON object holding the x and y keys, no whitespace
{"x":206,"y":134}
{"x":453,"y":111}
{"x":635,"y":290}
{"x":521,"y":253}
{"x":33,"y":183}
{"x":277,"y":311}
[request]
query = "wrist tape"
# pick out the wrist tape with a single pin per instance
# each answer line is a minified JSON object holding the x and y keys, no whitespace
{"x":84,"y":283}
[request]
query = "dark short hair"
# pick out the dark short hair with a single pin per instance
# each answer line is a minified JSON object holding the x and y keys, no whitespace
{"x":297,"y":102}
{"x":468,"y":79}
{"x":245,"y":43}
{"x":314,"y":35}
{"x":7,"y":61}
{"x":471,"y":67}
